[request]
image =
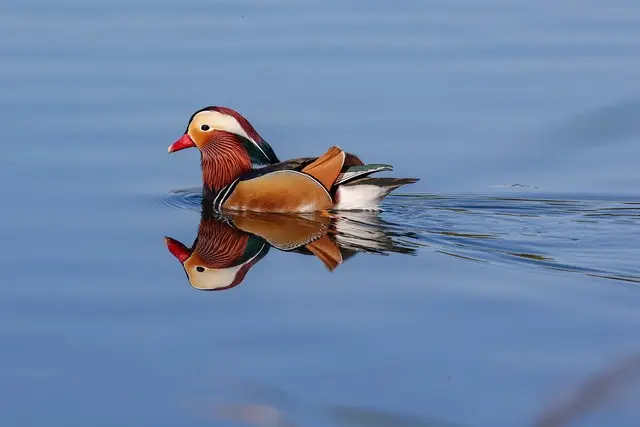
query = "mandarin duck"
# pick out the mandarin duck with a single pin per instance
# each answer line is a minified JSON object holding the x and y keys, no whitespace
{"x":228,"y":246}
{"x":240,"y":170}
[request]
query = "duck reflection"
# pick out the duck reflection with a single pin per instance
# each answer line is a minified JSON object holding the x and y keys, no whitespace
{"x":228,"y":245}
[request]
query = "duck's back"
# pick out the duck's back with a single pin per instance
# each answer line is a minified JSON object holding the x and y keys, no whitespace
{"x":335,"y":180}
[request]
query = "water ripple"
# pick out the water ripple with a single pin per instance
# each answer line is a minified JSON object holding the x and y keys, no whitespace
{"x":592,"y":235}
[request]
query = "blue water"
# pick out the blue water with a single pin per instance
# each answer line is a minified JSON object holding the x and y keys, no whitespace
{"x":519,"y":278}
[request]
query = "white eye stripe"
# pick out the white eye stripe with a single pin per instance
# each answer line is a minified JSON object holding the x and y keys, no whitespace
{"x":225,"y":122}
{"x":219,"y":278}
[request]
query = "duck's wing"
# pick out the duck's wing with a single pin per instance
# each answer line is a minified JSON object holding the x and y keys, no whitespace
{"x":292,"y":164}
{"x":296,"y":185}
{"x":327,"y":167}
{"x":351,"y":161}
{"x":352,"y":167}
{"x":354,"y":172}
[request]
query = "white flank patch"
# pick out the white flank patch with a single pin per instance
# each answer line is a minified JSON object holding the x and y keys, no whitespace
{"x":364,"y":197}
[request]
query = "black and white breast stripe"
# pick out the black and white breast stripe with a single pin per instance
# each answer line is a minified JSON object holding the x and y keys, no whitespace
{"x":223,"y":194}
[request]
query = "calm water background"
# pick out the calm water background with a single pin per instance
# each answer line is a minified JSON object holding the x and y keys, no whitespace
{"x":98,"y":325}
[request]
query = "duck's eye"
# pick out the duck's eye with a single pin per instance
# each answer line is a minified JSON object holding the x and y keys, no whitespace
{"x":200,"y":269}
{"x":205,"y":127}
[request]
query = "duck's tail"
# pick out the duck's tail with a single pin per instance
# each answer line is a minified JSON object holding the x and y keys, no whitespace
{"x":348,"y":180}
{"x":367,"y":193}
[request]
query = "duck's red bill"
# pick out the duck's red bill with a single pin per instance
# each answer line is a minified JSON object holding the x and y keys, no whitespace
{"x":182,"y":143}
{"x":177,"y":249}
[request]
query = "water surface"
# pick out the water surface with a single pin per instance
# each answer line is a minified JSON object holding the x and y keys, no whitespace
{"x":520,"y":118}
